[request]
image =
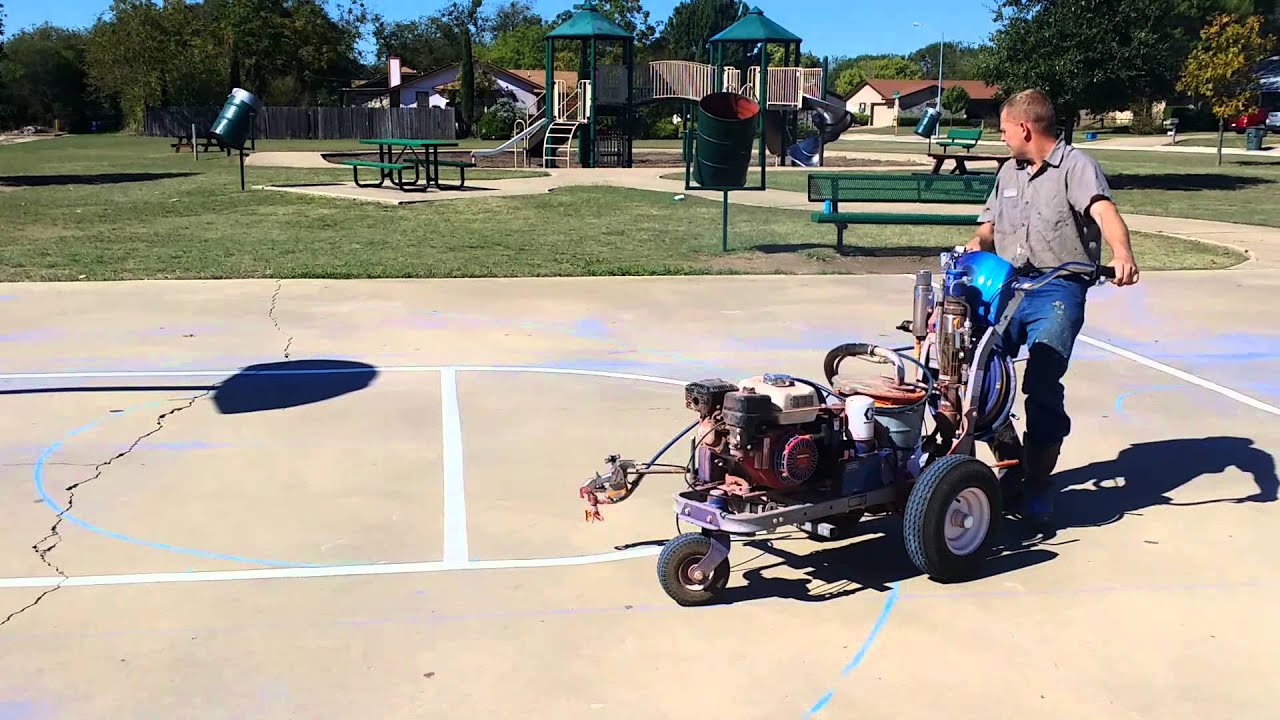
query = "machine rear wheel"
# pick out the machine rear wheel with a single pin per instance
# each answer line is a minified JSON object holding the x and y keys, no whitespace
{"x":951,"y":517}
{"x":677,"y":560}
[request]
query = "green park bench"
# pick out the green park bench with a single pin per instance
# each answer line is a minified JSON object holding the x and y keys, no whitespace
{"x":462,"y":166}
{"x":895,"y":188}
{"x":966,"y":138}
{"x":384,"y":171}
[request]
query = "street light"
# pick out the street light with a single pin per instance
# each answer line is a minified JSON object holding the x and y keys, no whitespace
{"x":942,"y":41}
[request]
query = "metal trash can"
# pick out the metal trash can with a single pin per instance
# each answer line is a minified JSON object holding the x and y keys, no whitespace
{"x":726,"y":129}
{"x":928,"y":122}
{"x":1253,"y":138}
{"x":232,"y":124}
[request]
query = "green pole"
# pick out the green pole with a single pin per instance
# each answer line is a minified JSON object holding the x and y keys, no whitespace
{"x":764,"y":105}
{"x":549,"y":93}
{"x":724,"y":224}
{"x":591,"y":151}
{"x":630,"y":49}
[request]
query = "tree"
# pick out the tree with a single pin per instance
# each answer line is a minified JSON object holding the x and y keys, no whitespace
{"x":43,"y":73}
{"x":1098,"y":55}
{"x":959,"y":60}
{"x":884,"y":67}
{"x":1222,"y":67}
{"x":955,"y":99}
{"x":693,"y":23}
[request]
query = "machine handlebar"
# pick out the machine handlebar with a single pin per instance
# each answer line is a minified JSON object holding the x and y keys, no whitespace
{"x":1024,"y":283}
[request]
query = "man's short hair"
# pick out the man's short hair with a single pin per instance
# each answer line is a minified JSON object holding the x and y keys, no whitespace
{"x":1034,"y":108}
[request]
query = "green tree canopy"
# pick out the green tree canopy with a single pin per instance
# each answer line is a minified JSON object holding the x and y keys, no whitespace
{"x":1098,"y":55}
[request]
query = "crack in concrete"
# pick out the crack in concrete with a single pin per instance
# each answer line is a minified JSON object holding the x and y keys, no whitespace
{"x":271,"y":313}
{"x":43,"y":547}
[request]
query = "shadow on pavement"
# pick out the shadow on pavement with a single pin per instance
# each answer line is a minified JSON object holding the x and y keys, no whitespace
{"x":1142,"y":475}
{"x":257,"y":388}
{"x":1184,"y":182}
{"x":275,"y":386}
{"x":99,"y":179}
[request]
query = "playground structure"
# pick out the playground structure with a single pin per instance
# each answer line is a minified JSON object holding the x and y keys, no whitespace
{"x":595,"y":119}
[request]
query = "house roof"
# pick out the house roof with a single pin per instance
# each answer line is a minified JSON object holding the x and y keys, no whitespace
{"x":587,"y":22}
{"x":977,"y":89}
{"x":1269,"y":74}
{"x":755,"y":27}
{"x":539,"y":76}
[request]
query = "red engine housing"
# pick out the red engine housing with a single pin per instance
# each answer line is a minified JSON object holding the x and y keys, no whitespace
{"x":782,"y":460}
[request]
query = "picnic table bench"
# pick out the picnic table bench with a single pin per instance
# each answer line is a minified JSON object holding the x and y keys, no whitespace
{"x":392,"y":163}
{"x":966,"y":138}
{"x":940,"y":159}
{"x":834,"y":188}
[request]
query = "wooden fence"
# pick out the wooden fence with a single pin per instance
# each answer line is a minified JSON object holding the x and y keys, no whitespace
{"x":313,"y":123}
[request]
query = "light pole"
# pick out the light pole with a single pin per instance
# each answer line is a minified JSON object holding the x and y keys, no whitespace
{"x":942,"y":41}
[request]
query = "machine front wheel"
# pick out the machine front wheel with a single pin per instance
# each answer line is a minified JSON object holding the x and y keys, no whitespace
{"x":951,"y":518}
{"x":675,"y":564}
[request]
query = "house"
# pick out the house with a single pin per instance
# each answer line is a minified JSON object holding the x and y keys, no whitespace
{"x":1269,"y":82}
{"x":877,"y":97}
{"x":404,"y":87}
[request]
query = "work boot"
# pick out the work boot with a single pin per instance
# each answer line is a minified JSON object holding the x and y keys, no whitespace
{"x":1038,"y":464}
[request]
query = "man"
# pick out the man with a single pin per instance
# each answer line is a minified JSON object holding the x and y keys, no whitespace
{"x":1047,"y":205}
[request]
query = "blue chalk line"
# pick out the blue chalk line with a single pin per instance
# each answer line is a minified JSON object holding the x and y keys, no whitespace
{"x":862,"y":651}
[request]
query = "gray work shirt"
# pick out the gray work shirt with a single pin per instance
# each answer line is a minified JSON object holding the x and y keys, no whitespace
{"x":1039,"y":218}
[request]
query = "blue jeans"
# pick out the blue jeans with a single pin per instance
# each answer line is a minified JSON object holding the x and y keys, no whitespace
{"x":1047,"y":322}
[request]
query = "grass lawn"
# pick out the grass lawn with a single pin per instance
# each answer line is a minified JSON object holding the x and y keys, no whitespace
{"x":1243,"y":189}
{"x":1229,"y":140}
{"x":117,"y":207}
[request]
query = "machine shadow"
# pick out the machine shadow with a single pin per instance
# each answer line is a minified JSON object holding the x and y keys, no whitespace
{"x":872,"y":562}
{"x":1142,"y":475}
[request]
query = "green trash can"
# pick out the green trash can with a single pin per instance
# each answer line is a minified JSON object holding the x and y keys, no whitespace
{"x":1253,"y":138}
{"x":233,"y":122}
{"x":726,"y":130}
{"x":928,"y":122}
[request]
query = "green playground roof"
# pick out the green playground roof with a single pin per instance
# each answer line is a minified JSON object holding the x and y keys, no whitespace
{"x":587,"y":22}
{"x":755,"y":27}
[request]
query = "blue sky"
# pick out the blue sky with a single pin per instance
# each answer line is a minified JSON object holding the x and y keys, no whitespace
{"x":830,"y":27}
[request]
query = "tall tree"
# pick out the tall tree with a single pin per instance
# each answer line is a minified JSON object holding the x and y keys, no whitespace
{"x":1222,"y":67}
{"x":1098,"y":55}
{"x":42,"y":71}
{"x":469,"y":22}
{"x":693,"y":23}
{"x":886,"y":67}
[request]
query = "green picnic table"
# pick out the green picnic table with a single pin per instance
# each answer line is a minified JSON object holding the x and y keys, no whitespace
{"x":392,"y":163}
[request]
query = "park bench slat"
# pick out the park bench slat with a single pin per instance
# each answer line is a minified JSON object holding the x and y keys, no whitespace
{"x":382,"y":165}
{"x":890,"y":188}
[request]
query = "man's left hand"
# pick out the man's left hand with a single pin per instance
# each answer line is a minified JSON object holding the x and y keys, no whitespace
{"x":1126,"y":271}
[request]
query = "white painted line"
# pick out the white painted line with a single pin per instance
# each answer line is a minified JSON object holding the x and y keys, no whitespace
{"x":455,"y":490}
{"x":1182,"y":375}
{"x":89,"y":374}
{"x":323,"y":572}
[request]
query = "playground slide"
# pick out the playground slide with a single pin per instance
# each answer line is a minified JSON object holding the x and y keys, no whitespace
{"x":533,"y":134}
{"x":831,"y":119}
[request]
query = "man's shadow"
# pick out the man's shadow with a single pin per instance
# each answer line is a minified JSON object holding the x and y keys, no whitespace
{"x":1143,"y":475}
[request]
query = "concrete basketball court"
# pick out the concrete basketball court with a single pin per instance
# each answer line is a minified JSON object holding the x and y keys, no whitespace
{"x":385,"y":523}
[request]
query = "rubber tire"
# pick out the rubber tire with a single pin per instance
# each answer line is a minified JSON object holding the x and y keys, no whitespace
{"x":922,"y":527}
{"x":685,"y":548}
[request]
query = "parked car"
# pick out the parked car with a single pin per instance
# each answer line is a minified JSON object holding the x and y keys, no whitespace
{"x":1273,"y":121}
{"x":1244,"y":122}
